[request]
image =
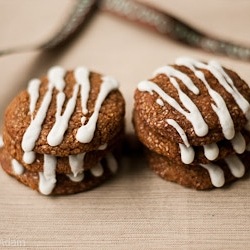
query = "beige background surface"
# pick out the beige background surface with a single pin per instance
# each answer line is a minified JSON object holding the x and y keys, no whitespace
{"x":136,"y":209}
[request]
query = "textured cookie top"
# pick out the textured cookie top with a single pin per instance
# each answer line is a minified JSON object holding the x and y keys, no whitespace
{"x":66,"y":112}
{"x":194,"y":103}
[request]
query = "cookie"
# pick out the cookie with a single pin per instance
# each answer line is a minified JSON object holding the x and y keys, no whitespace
{"x":63,"y":184}
{"x":64,"y":164}
{"x":61,"y":128}
{"x":200,"y":154}
{"x":72,"y":111}
{"x":203,"y":176}
{"x":206,"y":102}
{"x":191,"y":114}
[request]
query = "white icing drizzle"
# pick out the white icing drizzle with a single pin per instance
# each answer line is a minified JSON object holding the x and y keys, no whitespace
{"x":17,"y":167}
{"x":180,"y":131}
{"x":238,"y":143}
{"x":33,"y":90}
{"x":228,"y":84}
{"x":194,"y":115}
{"x":223,"y":78}
{"x":33,"y":131}
{"x":97,"y":170}
{"x":160,"y":102}
{"x":47,"y":178}
{"x":56,"y":80}
{"x":187,"y":154}
{"x":235,"y":165}
{"x":77,"y":178}
{"x":216,"y":174}
{"x":211,"y":151}
{"x":112,"y":163}
{"x":216,"y":69}
{"x":86,"y":132}
{"x":103,"y":147}
{"x":219,"y":107}
{"x":27,"y":144}
{"x":56,"y":77}
{"x":1,"y":141}
{"x":56,"y":134}
{"x":172,"y":72}
{"x":76,"y":163}
{"x":29,"y":157}
{"x":82,"y":77}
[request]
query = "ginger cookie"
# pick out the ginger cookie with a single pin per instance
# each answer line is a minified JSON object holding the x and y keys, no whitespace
{"x":193,"y":113}
{"x":62,"y":130}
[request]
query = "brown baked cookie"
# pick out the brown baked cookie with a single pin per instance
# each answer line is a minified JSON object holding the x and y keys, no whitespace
{"x":194,"y":114}
{"x":64,"y":184}
{"x":196,"y":176}
{"x":203,"y":102}
{"x":89,"y":159}
{"x":61,"y":129}
{"x":163,"y":146}
{"x":73,"y":111}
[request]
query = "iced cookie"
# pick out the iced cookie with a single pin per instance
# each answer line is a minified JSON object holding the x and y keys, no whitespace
{"x":61,"y":128}
{"x":193,"y":113}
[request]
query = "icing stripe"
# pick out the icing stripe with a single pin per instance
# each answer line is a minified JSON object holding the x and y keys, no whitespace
{"x":29,"y":157}
{"x":56,"y":80}
{"x":160,"y":102}
{"x":211,"y":151}
{"x":56,"y":77}
{"x":216,"y":174}
{"x":228,"y":84}
{"x":82,"y":77}
{"x":47,"y":178}
{"x":238,"y":143}
{"x":194,"y":115}
{"x":172,"y":72}
{"x":56,"y":134}
{"x":219,"y":107}
{"x":1,"y":141}
{"x":33,"y":131}
{"x":97,"y":170}
{"x":180,"y":131}
{"x":103,"y":147}
{"x":77,"y":178}
{"x":86,"y":132}
{"x":223,"y":78}
{"x":112,"y":163}
{"x":33,"y":90}
{"x":76,"y":163}
{"x":17,"y":168}
{"x":187,"y":154}
{"x":235,"y":165}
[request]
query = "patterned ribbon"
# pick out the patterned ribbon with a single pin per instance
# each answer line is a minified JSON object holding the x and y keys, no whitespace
{"x":174,"y":28}
{"x":147,"y":16}
{"x":81,"y":13}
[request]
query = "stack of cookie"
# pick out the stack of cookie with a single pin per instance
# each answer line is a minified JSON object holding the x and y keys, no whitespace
{"x":194,"y":118}
{"x":58,"y":134}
